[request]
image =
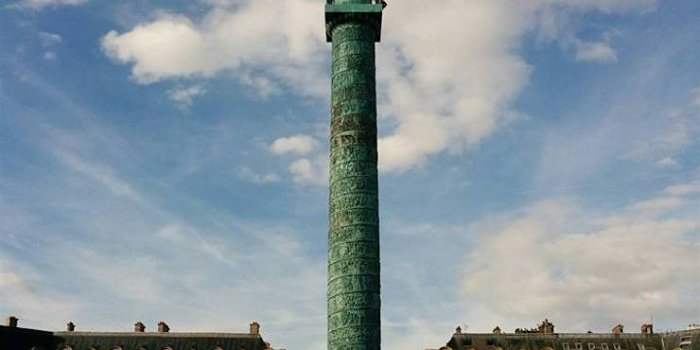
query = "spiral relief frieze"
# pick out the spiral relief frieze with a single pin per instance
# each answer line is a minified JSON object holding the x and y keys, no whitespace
{"x":353,"y":247}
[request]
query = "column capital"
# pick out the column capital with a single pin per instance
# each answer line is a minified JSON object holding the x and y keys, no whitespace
{"x":338,"y":13}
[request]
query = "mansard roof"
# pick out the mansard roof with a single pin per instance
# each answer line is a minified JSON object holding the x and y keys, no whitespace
{"x":158,"y":341}
{"x":678,"y":340}
{"x":28,"y":339}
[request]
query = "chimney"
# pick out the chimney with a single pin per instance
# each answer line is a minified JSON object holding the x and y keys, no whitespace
{"x":163,"y":327}
{"x":255,"y":328}
{"x":70,"y":327}
{"x":619,"y":329}
{"x":139,"y":327}
{"x":647,"y":329}
{"x":12,"y":321}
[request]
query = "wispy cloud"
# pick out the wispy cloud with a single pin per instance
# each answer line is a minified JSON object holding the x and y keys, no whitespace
{"x":40,"y":4}
{"x":50,"y":39}
{"x":184,"y":96}
{"x":310,"y":171}
{"x":696,"y":96}
{"x":101,"y":174}
{"x":135,"y":259}
{"x":310,"y":166}
{"x":297,"y":144}
{"x":248,"y":174}
{"x":48,"y":42}
{"x":595,"y":51}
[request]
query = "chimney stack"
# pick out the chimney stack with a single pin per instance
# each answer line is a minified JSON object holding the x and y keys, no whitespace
{"x":163,"y":327}
{"x":647,"y":329}
{"x":70,"y":326}
{"x":139,"y":327}
{"x":255,"y":328}
{"x":12,"y":321}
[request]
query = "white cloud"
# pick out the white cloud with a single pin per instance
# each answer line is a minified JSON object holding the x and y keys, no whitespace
{"x":592,"y":51}
{"x":443,"y":85}
{"x":249,"y":175}
{"x":262,"y":41}
{"x":22,"y":299}
{"x":660,"y":204}
{"x":50,"y":39}
{"x":558,"y":260}
{"x":49,"y":55}
{"x":184,"y":96}
{"x":297,"y":144}
{"x":311,"y":165}
{"x":312,"y":171}
{"x":38,"y":4}
{"x":668,"y":162}
{"x":10,"y":280}
{"x":663,"y":142}
{"x":696,"y":97}
{"x":684,"y":189}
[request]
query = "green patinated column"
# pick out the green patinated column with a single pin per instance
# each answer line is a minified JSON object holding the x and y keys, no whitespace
{"x":353,"y":238}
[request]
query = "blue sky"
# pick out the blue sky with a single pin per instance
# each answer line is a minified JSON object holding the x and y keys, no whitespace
{"x":166,"y":160}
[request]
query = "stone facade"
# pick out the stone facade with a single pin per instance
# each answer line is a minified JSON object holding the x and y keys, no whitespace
{"x":679,"y":340}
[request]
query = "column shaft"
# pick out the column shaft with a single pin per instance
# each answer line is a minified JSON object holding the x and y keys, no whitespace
{"x":353,"y":265}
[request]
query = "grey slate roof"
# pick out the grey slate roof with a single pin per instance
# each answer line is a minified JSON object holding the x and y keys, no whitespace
{"x":681,"y":340}
{"x":25,"y":339}
{"x":158,"y":341}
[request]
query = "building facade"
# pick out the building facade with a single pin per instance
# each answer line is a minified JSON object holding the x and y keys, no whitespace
{"x":544,"y":338}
